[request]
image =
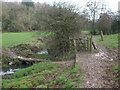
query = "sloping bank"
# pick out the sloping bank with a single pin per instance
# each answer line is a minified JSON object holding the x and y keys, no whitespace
{"x":58,"y":74}
{"x":45,"y":75}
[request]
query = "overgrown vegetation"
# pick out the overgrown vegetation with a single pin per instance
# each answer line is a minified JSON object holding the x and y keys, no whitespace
{"x":63,"y":20}
{"x":6,"y":60}
{"x":41,"y":76}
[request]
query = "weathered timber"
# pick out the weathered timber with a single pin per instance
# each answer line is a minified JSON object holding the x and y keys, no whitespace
{"x":82,"y":43}
{"x":32,"y":59}
{"x":94,"y":46}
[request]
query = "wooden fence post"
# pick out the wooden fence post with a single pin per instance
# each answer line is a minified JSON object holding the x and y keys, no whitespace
{"x":91,"y":43}
{"x":87,"y":43}
{"x":75,"y":45}
{"x":75,"y":53}
{"x":101,"y":33}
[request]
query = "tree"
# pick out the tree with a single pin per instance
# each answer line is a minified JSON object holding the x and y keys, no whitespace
{"x":15,"y":17}
{"x":93,"y":7}
{"x":64,"y":22}
{"x":104,"y":23}
{"x":92,"y":11}
{"x":115,"y":28}
{"x":8,"y":17}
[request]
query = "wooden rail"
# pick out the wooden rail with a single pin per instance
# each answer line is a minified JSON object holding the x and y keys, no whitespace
{"x":82,"y":44}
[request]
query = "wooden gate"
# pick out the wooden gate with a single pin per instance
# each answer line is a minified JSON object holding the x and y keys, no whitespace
{"x":81,"y":44}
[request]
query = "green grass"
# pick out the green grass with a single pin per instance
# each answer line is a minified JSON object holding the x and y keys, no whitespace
{"x":116,"y":70}
{"x":30,"y":77}
{"x":37,"y":76}
{"x":40,"y":67}
{"x":110,"y":41}
{"x":43,"y":56}
{"x":12,"y":39}
{"x":71,"y":78}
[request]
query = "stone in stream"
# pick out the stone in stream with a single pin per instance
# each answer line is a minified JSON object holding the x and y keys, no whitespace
{"x":43,"y":52}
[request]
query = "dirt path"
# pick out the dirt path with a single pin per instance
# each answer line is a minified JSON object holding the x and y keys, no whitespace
{"x":96,"y":69}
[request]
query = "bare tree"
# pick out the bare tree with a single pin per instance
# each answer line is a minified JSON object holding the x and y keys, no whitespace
{"x":93,"y":9}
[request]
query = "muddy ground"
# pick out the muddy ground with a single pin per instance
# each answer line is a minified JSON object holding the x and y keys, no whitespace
{"x":97,"y":68}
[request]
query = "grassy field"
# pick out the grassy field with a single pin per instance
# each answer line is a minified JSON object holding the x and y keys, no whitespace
{"x":85,"y":32}
{"x":41,"y":76}
{"x":12,"y":39}
{"x":110,"y":41}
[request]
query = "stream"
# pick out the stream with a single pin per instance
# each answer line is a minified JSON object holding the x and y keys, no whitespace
{"x":11,"y":69}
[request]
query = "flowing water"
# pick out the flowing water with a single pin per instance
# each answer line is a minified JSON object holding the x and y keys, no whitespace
{"x":11,"y":69}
